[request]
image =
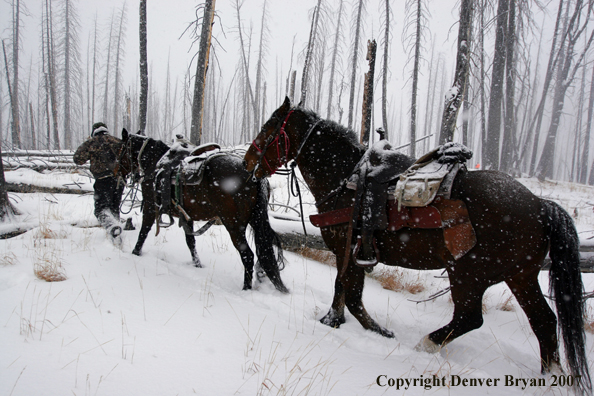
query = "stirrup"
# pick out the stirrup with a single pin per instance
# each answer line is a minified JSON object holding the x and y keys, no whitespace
{"x":163,"y":224}
{"x":115,"y":231}
{"x":365,"y":263}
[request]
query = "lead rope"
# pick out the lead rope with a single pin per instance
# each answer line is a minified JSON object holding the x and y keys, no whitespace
{"x":133,"y":189}
{"x":294,"y":184}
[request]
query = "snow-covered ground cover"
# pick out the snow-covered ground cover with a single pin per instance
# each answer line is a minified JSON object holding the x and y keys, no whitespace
{"x":154,"y":325}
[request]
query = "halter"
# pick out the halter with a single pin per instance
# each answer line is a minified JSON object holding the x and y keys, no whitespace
{"x":276,"y":140}
{"x":293,"y":178}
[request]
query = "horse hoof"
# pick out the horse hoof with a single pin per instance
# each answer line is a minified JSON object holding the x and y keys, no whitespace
{"x":333,"y":319}
{"x":197,"y":264}
{"x":426,"y":345}
{"x":136,"y":252}
{"x":282,"y":288}
{"x":385,"y":332}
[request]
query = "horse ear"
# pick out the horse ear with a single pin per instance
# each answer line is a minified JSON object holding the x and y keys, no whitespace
{"x":124,"y":134}
{"x":287,"y":103}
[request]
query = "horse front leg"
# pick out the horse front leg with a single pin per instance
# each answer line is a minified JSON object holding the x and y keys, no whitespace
{"x":188,"y":227}
{"x":148,"y":218}
{"x":353,"y":281}
{"x":335,"y":316}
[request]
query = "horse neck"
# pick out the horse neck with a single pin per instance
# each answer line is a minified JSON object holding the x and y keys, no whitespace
{"x":326,"y":159}
{"x":152,"y":153}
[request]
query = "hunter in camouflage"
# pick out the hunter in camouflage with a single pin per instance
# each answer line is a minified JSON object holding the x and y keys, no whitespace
{"x":102,"y":150}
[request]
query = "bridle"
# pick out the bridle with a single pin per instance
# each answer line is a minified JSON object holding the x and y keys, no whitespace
{"x":275,"y":139}
{"x":126,"y":149}
{"x":117,"y":169}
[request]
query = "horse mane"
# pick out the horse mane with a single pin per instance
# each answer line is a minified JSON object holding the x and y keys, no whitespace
{"x":332,"y":128}
{"x":158,"y":144}
{"x":161,"y":144}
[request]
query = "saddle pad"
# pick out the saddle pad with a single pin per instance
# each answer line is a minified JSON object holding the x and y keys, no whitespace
{"x":448,"y":214}
{"x":423,"y":217}
{"x":418,"y":185}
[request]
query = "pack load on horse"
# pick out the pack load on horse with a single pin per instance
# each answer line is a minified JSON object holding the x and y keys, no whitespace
{"x":375,"y":182}
{"x":205,"y":183}
{"x":506,"y":232}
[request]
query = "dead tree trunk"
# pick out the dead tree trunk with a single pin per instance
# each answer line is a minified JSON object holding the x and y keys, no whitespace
{"x":107,"y":70}
{"x":33,"y":138}
{"x":509,"y":126}
{"x":67,"y":78}
{"x":6,"y":208}
{"x":454,"y":99}
{"x":201,"y":70}
{"x":259,"y":68}
{"x":118,"y":57}
{"x":537,"y":122}
{"x":586,"y":152}
{"x":415,"y":9}
{"x":491,"y":151}
{"x":52,"y":73}
{"x":143,"y":68}
{"x":250,"y":101}
{"x":566,"y":73}
{"x":10,"y":93}
{"x":309,"y":54}
{"x":385,"y":69}
{"x":368,"y":94}
{"x":334,"y":58}
{"x":354,"y":63}
{"x":16,"y":130}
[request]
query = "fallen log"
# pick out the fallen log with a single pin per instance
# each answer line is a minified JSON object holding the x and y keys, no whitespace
{"x":29,"y":188}
{"x":295,"y":242}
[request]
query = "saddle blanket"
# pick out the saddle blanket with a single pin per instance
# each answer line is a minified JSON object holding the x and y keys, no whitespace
{"x":447,"y":214}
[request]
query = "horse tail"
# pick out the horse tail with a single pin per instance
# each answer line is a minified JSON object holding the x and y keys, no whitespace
{"x":565,"y":281}
{"x":266,"y":239}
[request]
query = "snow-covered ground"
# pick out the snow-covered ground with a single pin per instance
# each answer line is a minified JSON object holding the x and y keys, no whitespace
{"x":155,"y":325}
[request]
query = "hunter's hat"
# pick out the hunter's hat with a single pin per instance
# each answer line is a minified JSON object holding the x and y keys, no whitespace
{"x":99,"y":128}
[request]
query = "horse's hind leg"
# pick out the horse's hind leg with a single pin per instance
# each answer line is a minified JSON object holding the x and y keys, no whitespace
{"x":467,"y":295}
{"x":148,"y":218}
{"x":542,"y":319}
{"x":247,"y":256}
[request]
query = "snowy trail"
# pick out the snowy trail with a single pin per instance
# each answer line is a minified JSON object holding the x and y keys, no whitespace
{"x":155,"y":325}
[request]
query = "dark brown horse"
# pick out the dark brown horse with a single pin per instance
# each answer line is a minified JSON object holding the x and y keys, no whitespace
{"x":514,"y":229}
{"x":226,"y":191}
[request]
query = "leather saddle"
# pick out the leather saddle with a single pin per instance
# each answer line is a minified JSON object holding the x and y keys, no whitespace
{"x":416,"y":198}
{"x":167,"y":177}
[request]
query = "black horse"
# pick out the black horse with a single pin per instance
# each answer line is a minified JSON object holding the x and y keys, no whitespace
{"x":514,"y":232}
{"x":225,"y":192}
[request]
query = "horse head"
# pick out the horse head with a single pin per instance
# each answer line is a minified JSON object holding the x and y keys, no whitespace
{"x":132,"y":147}
{"x":271,"y":148}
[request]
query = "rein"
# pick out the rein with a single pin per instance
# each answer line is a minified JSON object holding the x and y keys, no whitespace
{"x":293,"y":182}
{"x":133,"y":187}
{"x":281,"y":133}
